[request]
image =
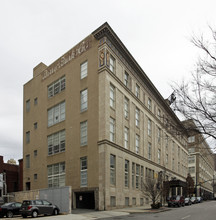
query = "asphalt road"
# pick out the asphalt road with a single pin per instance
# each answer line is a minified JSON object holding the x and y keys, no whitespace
{"x":201,"y":211}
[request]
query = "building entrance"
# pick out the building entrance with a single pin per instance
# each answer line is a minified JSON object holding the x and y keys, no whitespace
{"x":85,"y":200}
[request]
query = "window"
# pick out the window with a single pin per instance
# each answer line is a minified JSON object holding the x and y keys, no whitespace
{"x":142,"y":174}
{"x":149,"y":151}
{"x":159,"y":135}
{"x":126,"y":137}
{"x":159,"y":156}
{"x":126,"y":108}
{"x":166,"y":159}
{"x":35,"y":153}
{"x":84,"y":70}
{"x":56,"y":87}
{"x":112,"y":201}
{"x":112,"y":169}
{"x":36,"y":101}
{"x":159,"y":114}
{"x":133,"y":175}
{"x":137,"y":176}
{"x":149,"y":104}
{"x":112,"y":96}
{"x":137,"y":117}
{"x":56,"y":175}
{"x":56,"y":114}
{"x":191,"y":159}
{"x":191,"y":139}
{"x":28,"y":161}
{"x":112,"y":129}
{"x":28,"y":137}
{"x":137,"y":91}
{"x":173,"y":164}
{"x":56,"y":142}
{"x":35,"y":125}
{"x":126,"y":80}
{"x":133,"y":201}
{"x":35,"y":176}
{"x":112,"y":64}
{"x":127,"y":201}
{"x":83,"y":133}
{"x":166,"y":141}
{"x":28,"y":105}
{"x":84,"y":100}
{"x":137,"y":143}
{"x":126,"y":173}
{"x":191,"y":150}
{"x":149,"y":127}
{"x":191,"y":170}
{"x":83,"y":172}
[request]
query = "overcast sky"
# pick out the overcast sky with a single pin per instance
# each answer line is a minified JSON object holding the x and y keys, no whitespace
{"x":156,"y":32}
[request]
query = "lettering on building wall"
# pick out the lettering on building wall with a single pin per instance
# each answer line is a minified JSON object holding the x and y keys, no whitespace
{"x":66,"y":58}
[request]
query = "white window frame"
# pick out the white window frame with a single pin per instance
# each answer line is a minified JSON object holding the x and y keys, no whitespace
{"x":137,"y":144}
{"x":127,"y":163}
{"x":137,"y":91}
{"x":56,"y":114}
{"x":83,"y":133}
{"x":56,"y":87}
{"x":56,"y":175}
{"x":83,"y":172}
{"x":126,"y":137}
{"x":149,"y":104}
{"x":112,"y":169}
{"x":112,"y":129}
{"x":84,"y":70}
{"x":149,"y":151}
{"x":84,"y":100}
{"x":149,"y":127}
{"x":137,"y":117}
{"x":112,"y":96}
{"x":126,"y":108}
{"x":56,"y":142}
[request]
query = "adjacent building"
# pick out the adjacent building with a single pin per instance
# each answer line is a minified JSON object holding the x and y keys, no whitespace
{"x":201,"y":164}
{"x":94,"y":121}
{"x":10,"y":177}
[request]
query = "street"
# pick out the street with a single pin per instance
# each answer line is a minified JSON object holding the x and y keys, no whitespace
{"x":201,"y":211}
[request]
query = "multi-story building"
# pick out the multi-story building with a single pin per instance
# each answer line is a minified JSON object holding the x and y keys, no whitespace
{"x":200,"y":163}
{"x":94,"y":121}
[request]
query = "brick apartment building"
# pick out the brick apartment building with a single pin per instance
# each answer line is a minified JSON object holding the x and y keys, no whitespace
{"x":13,"y":175}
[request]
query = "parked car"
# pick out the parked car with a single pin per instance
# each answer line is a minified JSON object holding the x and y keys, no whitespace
{"x":176,"y":201}
{"x":193,"y":200}
{"x":38,"y":207}
{"x":10,"y":209}
{"x":188,"y":201}
{"x":199,"y":199}
{"x":1,"y":201}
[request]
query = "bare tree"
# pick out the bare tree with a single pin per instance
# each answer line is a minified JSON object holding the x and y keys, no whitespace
{"x":152,"y":189}
{"x":196,"y":98}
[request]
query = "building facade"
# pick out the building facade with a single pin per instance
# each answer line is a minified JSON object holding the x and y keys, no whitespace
{"x":94,"y":121}
{"x":10,"y":177}
{"x":200,"y":163}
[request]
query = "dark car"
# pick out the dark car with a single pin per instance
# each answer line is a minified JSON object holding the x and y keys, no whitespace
{"x":176,"y":201}
{"x":194,"y":200}
{"x":188,"y":201}
{"x":10,"y":209}
{"x":38,"y":207}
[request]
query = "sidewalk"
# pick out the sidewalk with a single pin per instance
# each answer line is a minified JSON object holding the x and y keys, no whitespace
{"x":80,"y":214}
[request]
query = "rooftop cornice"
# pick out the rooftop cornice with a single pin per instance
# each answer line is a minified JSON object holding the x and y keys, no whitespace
{"x":106,"y":30}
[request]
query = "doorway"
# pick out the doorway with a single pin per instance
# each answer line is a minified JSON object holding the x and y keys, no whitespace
{"x":85,"y":200}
